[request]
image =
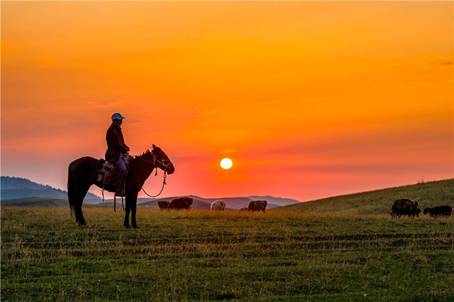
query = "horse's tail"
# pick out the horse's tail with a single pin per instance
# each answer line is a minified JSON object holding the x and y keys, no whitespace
{"x":71,"y":187}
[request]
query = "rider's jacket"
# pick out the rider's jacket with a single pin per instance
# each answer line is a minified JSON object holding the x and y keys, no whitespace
{"x":115,"y":143}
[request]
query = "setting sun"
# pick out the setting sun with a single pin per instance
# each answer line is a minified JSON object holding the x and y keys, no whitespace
{"x":226,"y":163}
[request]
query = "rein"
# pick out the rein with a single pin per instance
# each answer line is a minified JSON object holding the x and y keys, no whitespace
{"x":162,"y":188}
{"x":164,"y":177}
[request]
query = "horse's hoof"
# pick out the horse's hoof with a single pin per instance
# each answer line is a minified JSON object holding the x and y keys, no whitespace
{"x":135,"y":226}
{"x":126,"y":226}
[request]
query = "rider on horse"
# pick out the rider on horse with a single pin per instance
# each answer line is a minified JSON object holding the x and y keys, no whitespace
{"x":87,"y":171}
{"x":117,"y":150}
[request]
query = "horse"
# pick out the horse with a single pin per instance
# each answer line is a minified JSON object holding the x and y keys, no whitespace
{"x":83,"y":173}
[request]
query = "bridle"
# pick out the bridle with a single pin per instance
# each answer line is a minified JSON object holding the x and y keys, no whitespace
{"x":164,"y":167}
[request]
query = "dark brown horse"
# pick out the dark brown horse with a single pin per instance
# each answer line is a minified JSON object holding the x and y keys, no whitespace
{"x":83,"y":172}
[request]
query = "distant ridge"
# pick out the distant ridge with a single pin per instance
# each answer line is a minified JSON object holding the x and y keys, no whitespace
{"x":280,"y":201}
{"x":380,"y":201}
{"x":14,"y":188}
{"x":204,"y":203}
{"x":17,"y":191}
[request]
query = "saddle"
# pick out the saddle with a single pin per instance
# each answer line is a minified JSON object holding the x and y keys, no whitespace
{"x":110,"y":178}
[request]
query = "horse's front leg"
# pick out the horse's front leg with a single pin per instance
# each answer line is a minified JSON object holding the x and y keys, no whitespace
{"x":131,"y":206}
{"x":134,"y":210}
{"x":133,"y":218}
{"x":128,"y":209}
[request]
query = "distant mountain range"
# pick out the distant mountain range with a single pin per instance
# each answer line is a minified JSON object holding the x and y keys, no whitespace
{"x":231,"y":202}
{"x":13,"y":188}
{"x":275,"y":200}
{"x":16,"y":191}
{"x":234,"y":203}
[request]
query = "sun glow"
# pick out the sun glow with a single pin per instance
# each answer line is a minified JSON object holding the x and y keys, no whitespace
{"x":226,"y":163}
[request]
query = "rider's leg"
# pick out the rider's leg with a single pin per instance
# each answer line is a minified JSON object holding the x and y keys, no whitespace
{"x":121,"y":165}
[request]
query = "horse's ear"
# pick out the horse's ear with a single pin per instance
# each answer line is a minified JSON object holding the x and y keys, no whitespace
{"x":154,"y":147}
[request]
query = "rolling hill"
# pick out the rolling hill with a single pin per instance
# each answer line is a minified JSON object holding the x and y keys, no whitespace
{"x":277,"y":201}
{"x":380,"y":201}
{"x":17,"y":188}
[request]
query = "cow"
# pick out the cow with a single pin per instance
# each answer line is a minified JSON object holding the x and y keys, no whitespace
{"x":163,"y":205}
{"x":438,"y":211}
{"x":257,"y":205}
{"x":217,"y":205}
{"x":405,"y":207}
{"x":181,"y":203}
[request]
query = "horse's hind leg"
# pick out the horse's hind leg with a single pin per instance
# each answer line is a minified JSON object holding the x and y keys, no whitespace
{"x":77,"y":204}
{"x":80,"y":216}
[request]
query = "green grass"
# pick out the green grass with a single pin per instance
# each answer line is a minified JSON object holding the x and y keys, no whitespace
{"x":380,"y":201}
{"x":230,"y":256}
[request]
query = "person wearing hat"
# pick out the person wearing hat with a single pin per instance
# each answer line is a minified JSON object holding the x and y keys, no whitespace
{"x":115,"y":147}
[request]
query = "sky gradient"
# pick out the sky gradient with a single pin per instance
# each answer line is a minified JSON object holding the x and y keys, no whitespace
{"x":308,"y":99}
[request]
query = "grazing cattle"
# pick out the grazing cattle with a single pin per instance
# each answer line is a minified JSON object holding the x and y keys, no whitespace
{"x":405,"y":207}
{"x":217,"y":205}
{"x":163,"y":205}
{"x":181,"y":203}
{"x":438,"y":211}
{"x":257,"y":205}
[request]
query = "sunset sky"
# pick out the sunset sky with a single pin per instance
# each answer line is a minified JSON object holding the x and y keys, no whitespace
{"x":308,"y":99}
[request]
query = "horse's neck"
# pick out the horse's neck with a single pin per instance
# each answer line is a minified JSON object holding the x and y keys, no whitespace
{"x":142,"y":168}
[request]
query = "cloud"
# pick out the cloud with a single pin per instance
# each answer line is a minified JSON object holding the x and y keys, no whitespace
{"x":445,"y":62}
{"x":416,"y":167}
{"x":364,"y":143}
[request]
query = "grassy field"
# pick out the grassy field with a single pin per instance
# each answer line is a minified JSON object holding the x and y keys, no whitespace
{"x":230,"y":256}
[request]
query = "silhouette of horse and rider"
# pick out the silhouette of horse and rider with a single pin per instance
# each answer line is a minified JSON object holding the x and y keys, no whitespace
{"x":119,"y":173}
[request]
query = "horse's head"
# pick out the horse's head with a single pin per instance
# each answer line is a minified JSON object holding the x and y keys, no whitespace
{"x":162,"y":161}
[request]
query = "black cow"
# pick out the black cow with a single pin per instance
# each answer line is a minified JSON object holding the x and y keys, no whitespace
{"x":438,"y":211}
{"x":163,"y":205}
{"x":405,"y":207}
{"x":257,"y":205}
{"x":181,"y":203}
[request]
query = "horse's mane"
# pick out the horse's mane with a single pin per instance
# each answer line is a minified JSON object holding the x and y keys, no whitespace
{"x":143,"y":154}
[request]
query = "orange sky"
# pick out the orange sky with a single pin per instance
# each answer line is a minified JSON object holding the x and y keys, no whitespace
{"x":308,"y":99}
